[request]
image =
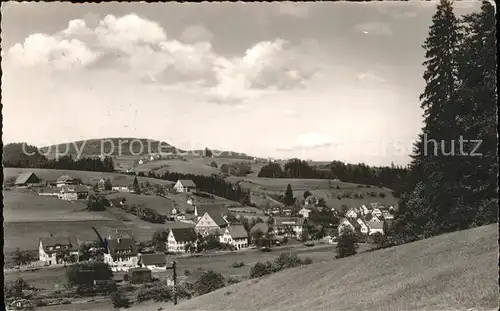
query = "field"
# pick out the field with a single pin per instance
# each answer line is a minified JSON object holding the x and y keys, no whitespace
{"x":28,"y":217}
{"x":86,"y":176}
{"x":261,"y":188}
{"x":457,"y":271}
{"x":177,"y":166}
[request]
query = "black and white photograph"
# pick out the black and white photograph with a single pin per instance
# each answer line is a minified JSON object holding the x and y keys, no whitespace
{"x":250,"y":156}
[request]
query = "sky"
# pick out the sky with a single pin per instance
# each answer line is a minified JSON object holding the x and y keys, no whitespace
{"x":321,"y":80}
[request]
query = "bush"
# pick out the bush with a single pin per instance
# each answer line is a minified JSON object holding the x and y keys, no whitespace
{"x":187,"y":272}
{"x":158,"y":292}
{"x":347,"y":244}
{"x":381,"y":194}
{"x":307,"y":261}
{"x":261,"y":269}
{"x":238,"y":264}
{"x":233,"y":280}
{"x":119,"y":301}
{"x":208,"y":282}
{"x":288,"y":260}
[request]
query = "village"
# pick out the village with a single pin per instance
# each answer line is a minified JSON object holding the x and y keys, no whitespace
{"x":217,"y":221}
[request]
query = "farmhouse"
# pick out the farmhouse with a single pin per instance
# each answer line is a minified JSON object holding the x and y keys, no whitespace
{"x":352,"y":213}
{"x":67,"y":180}
{"x":55,"y":250}
{"x":236,"y":236}
{"x":284,"y":225}
{"x":387,"y":215}
{"x":362,"y":225}
{"x":211,"y":223}
{"x":377,"y":212}
{"x":49,"y":191}
{"x":152,"y":261}
{"x":122,"y":188}
{"x":376,"y":226}
{"x":121,"y":255}
{"x":178,"y":238}
{"x":185,"y":185}
{"x":71,"y":193}
{"x":27,"y":179}
{"x":347,"y":223}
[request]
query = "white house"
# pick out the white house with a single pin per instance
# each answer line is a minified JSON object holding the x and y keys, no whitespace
{"x":185,"y":185}
{"x":347,"y":223}
{"x":121,"y":254}
{"x":387,"y":215}
{"x":66,"y":180}
{"x":54,"y":250}
{"x":152,"y":261}
{"x":364,"y":210}
{"x":363,"y":227}
{"x":351,"y":213}
{"x":211,"y":223}
{"x":72,"y":193}
{"x":141,"y":161}
{"x":121,"y":188}
{"x":190,"y":201}
{"x":178,"y":238}
{"x":377,"y":212}
{"x":235,"y":235}
{"x":282,"y":225}
{"x":304,"y":212}
{"x":376,"y":226}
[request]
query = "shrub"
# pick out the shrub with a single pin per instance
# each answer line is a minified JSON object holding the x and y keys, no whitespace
{"x":287,"y":260}
{"x":158,"y":292}
{"x":238,"y":264}
{"x":347,"y":244}
{"x":233,"y":280}
{"x":306,"y":261}
{"x":187,"y":272}
{"x":119,"y":301}
{"x":208,"y":282}
{"x":381,"y":194}
{"x":261,"y":269}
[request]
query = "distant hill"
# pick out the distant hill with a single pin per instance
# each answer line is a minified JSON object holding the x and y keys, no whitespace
{"x":456,"y":271}
{"x":125,"y":146}
{"x":21,"y":155}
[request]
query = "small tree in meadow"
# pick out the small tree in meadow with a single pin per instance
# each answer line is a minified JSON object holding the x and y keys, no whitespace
{"x":208,"y":282}
{"x":347,"y":243}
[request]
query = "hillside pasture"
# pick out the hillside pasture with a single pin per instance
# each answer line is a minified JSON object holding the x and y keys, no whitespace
{"x":177,"y":166}
{"x":27,"y":206}
{"x":160,"y":204}
{"x":262,"y":188}
{"x":87,"y":177}
{"x":456,"y":271}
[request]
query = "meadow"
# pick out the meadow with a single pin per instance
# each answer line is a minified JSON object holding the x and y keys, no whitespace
{"x":456,"y":271}
{"x":86,"y":176}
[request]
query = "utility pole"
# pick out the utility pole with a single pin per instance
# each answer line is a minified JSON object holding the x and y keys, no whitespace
{"x":174,"y":276}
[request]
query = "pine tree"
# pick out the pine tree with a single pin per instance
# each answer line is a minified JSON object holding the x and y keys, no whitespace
{"x":136,"y":187}
{"x":429,"y":187}
{"x":288,"y":200}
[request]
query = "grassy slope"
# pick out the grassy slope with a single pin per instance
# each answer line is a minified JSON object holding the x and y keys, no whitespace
{"x":85,"y":176}
{"x":260,"y":187}
{"x":453,"y":271}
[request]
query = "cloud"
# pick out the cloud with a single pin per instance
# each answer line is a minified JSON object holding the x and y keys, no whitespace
{"x":370,"y":77}
{"x":374,"y":28}
{"x":142,"y":48}
{"x":196,"y":33}
{"x":54,"y":52}
{"x":293,"y":9}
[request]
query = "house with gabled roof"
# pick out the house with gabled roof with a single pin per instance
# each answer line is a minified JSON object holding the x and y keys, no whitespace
{"x":71,"y":193}
{"x":235,"y":235}
{"x":352,"y":213}
{"x":178,"y":238}
{"x":121,"y":254}
{"x":283,"y":225}
{"x":362,"y":226}
{"x":66,"y":180}
{"x":56,"y":250}
{"x":152,"y":261}
{"x":185,"y":185}
{"x":377,"y":212}
{"x":375,"y":226}
{"x":212,"y":222}
{"x":348,"y":223}
{"x":27,"y":179}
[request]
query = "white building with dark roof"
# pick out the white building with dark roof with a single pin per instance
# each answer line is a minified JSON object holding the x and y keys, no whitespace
{"x":56,"y":250}
{"x":185,"y":185}
{"x":235,"y":235}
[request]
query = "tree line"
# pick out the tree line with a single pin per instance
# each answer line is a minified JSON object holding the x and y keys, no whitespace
{"x":211,"y":184}
{"x":454,"y":186}
{"x":390,"y":177}
{"x":22,"y":155}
